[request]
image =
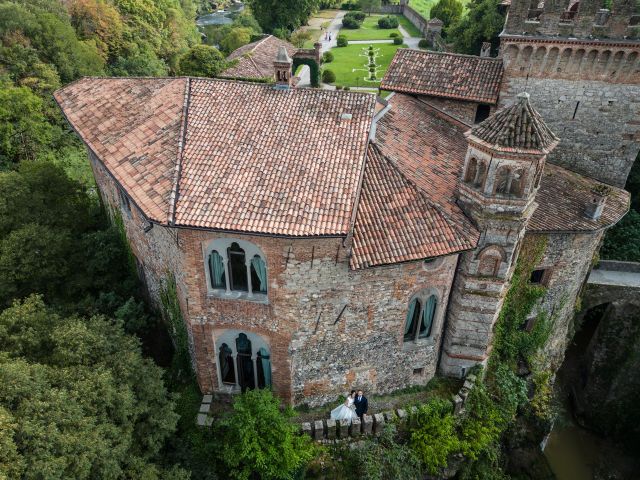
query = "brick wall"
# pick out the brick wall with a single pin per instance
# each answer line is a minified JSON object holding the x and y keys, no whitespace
{"x":314,"y":357}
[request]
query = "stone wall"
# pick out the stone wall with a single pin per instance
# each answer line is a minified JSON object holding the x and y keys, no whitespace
{"x":414,"y":17}
{"x":588,"y":94}
{"x":460,"y":109}
{"x":568,"y":258}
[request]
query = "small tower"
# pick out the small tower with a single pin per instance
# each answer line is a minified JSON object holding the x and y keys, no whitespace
{"x":282,"y":67}
{"x":503,"y":167}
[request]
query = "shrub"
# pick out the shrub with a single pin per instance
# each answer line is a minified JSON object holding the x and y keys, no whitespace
{"x":342,"y":41}
{"x":328,"y":76}
{"x":393,"y":35}
{"x":372,"y":69}
{"x":347,"y":88}
{"x":349,"y":6}
{"x":397,"y":41}
{"x":260,"y":441}
{"x":434,"y":436}
{"x":370,"y":47}
{"x":388,"y":22}
{"x":299,"y":37}
{"x":359,"y":16}
{"x":327,"y":57}
{"x":350,"y":23}
{"x":371,"y":53}
{"x":423,"y":43}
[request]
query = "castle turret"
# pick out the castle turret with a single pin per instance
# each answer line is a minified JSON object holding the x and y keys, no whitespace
{"x":282,"y":66}
{"x":505,"y":157}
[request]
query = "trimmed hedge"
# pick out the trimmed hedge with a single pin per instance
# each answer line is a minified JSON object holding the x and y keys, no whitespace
{"x":397,"y":41}
{"x":423,"y":43}
{"x":350,"y":23}
{"x":342,"y":41}
{"x":328,"y":76}
{"x":388,"y":22}
{"x":327,"y":57}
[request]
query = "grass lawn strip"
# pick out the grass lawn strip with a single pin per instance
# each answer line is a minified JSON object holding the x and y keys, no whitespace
{"x":351,"y":64}
{"x":369,"y":30}
{"x":411,"y":29}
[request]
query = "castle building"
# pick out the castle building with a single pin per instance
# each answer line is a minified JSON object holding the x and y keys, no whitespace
{"x":321,"y":240}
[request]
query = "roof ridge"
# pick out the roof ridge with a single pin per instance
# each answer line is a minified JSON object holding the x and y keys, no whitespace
{"x":182,"y":137}
{"x":452,"y":54}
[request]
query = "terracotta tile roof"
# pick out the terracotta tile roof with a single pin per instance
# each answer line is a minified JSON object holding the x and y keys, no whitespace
{"x":517,"y":127}
{"x":449,"y":75}
{"x":428,"y":146}
{"x":285,"y":162}
{"x":562,"y":198}
{"x":133,"y":125}
{"x":255,"y":60}
{"x":397,"y":222}
{"x":255,"y":159}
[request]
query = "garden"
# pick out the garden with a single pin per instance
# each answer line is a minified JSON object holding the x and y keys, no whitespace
{"x":361,"y":65}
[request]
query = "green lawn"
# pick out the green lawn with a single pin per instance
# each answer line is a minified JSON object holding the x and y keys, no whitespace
{"x":346,"y":59}
{"x":369,"y":30}
{"x":423,"y":7}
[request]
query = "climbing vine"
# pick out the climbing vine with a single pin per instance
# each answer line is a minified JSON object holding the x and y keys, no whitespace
{"x":314,"y":69}
{"x":177,"y":328}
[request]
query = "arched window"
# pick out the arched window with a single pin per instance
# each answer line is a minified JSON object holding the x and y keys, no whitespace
{"x":510,"y":182}
{"x":480,"y":175}
{"x":502,"y":180}
{"x":490,"y":260}
{"x":472,"y":170}
{"x":216,"y":271}
{"x":244,"y":361}
{"x":420,"y":317}
{"x":236,"y":268}
{"x":227,"y":370}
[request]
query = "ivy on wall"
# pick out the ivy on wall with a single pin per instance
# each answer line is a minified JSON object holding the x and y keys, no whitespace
{"x":177,"y":327}
{"x":314,"y":69}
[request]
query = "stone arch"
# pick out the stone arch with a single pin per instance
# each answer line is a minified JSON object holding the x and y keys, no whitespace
{"x":575,"y":61}
{"x":550,"y":61}
{"x":518,"y":178}
{"x":589,"y":62}
{"x":525,"y":57}
{"x":472,"y":170}
{"x":565,"y":58}
{"x":628,"y":67}
{"x":538,"y":57}
{"x":602,"y":62}
{"x":501,"y":183}
{"x":616,"y":63}
{"x":511,"y":55}
{"x":490,"y":260}
{"x":314,"y":69}
{"x":424,"y":316}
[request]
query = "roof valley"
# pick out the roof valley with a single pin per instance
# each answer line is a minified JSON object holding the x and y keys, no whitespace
{"x":182,"y":138}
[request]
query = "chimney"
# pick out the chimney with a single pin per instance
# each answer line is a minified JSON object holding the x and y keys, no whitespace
{"x":282,"y":68}
{"x":485,"y":50}
{"x":599,"y":195}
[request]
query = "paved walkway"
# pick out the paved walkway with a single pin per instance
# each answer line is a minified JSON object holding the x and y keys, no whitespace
{"x":411,"y":42}
{"x":610,"y":277}
{"x":332,"y":29}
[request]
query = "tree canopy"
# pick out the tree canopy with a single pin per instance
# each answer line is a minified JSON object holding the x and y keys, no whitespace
{"x":482,"y":23}
{"x":289,"y":15}
{"x":78,"y":398}
{"x":202,"y":61}
{"x":449,"y":11}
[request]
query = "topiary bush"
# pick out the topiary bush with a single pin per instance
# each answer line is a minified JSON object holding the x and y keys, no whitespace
{"x":328,"y":76}
{"x":393,"y":35}
{"x":372,"y":69}
{"x":388,"y":22}
{"x":342,"y":41}
{"x":350,"y":23}
{"x":327,"y":57}
{"x":423,"y":43}
{"x":371,"y":53}
{"x":397,"y":41}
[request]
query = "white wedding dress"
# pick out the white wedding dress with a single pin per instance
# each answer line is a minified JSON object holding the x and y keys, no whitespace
{"x":346,"y":410}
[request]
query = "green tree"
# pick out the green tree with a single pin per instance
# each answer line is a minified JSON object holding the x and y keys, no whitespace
{"x":86,"y":404}
{"x":202,"y":61}
{"x":449,"y":11}
{"x":299,"y":37}
{"x":11,"y":462}
{"x":434,"y":438}
{"x":369,"y":6}
{"x":235,"y":39}
{"x":25,"y":131}
{"x":260,"y":441}
{"x":482,"y":23}
{"x":282,"y":14}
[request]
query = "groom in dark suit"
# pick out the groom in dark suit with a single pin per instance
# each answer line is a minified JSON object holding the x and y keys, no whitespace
{"x":361,"y":403}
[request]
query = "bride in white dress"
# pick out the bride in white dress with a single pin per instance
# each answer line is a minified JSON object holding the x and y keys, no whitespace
{"x":346,"y":410}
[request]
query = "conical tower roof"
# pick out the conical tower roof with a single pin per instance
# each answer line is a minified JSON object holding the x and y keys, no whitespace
{"x":517,"y":127}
